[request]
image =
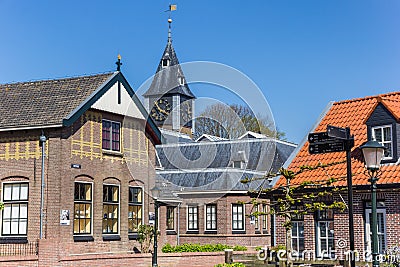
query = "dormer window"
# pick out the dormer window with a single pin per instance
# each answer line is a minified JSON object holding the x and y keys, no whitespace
{"x":165,"y":62}
{"x":238,"y":164}
{"x":383,"y":134}
{"x":181,"y":80}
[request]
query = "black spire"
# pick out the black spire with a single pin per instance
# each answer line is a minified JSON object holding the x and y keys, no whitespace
{"x":169,"y":78}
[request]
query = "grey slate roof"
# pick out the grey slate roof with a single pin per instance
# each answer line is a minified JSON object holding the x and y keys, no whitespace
{"x":45,"y":103}
{"x":208,"y":165}
{"x":166,"y":80}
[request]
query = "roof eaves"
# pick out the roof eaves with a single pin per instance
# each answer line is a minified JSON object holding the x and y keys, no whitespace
{"x":33,"y":127}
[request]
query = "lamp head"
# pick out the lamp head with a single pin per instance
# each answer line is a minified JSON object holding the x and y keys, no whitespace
{"x":373,"y":153}
{"x":155,"y":192}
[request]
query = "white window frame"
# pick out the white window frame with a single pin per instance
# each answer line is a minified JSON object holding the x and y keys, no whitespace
{"x":206,"y":218}
{"x":141,"y":187}
{"x":326,"y":221}
{"x":242,"y":217}
{"x":119,"y":209}
{"x":10,"y":203}
{"x":166,"y":217}
{"x":368,"y":234}
{"x":264,"y":218}
{"x":383,"y":142}
{"x":299,"y":236}
{"x":91,"y":209}
{"x":187,"y":218}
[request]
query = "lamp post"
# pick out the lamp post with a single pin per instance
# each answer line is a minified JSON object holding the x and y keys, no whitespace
{"x":373,"y":152}
{"x":155,"y":192}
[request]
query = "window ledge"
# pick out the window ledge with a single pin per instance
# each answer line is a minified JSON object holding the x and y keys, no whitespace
{"x":83,"y":238}
{"x":171,"y":232}
{"x":192,"y":231}
{"x":13,"y":240}
{"x":112,"y":153}
{"x":133,"y":236}
{"x":210,"y":232}
{"x":111,"y":238}
{"x":238,"y":231}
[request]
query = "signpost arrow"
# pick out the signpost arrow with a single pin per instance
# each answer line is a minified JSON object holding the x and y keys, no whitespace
{"x":326,"y":147}
{"x":337,"y":132}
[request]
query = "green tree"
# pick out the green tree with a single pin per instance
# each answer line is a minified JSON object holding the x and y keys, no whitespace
{"x":291,"y":200}
{"x":232,"y":121}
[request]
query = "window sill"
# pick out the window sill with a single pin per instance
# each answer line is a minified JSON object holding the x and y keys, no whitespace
{"x":133,"y":236}
{"x":210,"y":232}
{"x":13,"y":240}
{"x":111,"y":238}
{"x":171,"y":232}
{"x":257,"y":231}
{"x":83,"y":238}
{"x":112,"y":153}
{"x":192,"y":231}
{"x":238,"y":232}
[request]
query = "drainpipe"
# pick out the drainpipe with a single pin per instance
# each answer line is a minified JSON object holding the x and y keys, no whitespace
{"x":177,"y":227}
{"x":274,"y":225}
{"x":42,"y":140}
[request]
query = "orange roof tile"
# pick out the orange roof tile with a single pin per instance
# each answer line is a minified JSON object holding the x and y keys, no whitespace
{"x":349,"y":113}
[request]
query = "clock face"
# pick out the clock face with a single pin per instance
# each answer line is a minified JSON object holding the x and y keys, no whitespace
{"x":160,"y":110}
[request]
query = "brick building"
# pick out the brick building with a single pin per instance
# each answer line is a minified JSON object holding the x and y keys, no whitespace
{"x":201,"y":179}
{"x":369,"y":118}
{"x":98,"y":158}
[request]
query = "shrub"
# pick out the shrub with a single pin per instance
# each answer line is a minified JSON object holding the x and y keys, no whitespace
{"x":189,"y":247}
{"x":235,"y":264}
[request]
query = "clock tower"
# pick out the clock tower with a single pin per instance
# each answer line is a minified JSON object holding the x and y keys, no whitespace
{"x":169,"y":100}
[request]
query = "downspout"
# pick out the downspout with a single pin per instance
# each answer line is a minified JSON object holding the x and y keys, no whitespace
{"x":274,"y":226}
{"x":42,"y":140}
{"x":177,"y":227}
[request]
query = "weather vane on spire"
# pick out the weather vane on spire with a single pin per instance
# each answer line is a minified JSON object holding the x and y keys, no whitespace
{"x":171,"y":8}
{"x":119,"y":63}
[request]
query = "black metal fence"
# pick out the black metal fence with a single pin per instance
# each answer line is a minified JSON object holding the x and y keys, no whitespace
{"x":30,"y":248}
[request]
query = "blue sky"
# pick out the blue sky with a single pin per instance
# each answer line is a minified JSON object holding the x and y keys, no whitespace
{"x":302,"y":54}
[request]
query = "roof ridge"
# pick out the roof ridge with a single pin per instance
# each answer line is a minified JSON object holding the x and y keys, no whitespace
{"x":58,"y":78}
{"x":366,"y":98}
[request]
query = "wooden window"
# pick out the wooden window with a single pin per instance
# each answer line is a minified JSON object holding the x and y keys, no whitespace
{"x":383,"y":134}
{"x":211,"y":217}
{"x":111,"y":135}
{"x":381,"y":215}
{"x":82,"y":208}
{"x":237,"y":217}
{"x":193,"y":218}
{"x":15,"y":212}
{"x":170,"y":218}
{"x":325,"y":233}
{"x":264,"y":217}
{"x":135,"y":209}
{"x":110,"y":209}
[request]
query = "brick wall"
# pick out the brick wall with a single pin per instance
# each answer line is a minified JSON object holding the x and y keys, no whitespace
{"x":341,"y":226}
{"x":224,"y":233}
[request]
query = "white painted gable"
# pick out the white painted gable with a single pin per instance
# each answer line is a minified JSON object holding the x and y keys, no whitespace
{"x":109,"y":102}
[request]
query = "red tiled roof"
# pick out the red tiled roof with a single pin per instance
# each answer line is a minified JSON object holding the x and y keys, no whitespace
{"x":350,"y":113}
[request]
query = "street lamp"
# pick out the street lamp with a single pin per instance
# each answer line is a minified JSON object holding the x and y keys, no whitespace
{"x":373,"y":152}
{"x":155,"y":193}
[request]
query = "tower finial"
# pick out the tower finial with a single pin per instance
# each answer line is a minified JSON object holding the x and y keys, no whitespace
{"x":118,"y":63}
{"x":171,"y":8}
{"x":169,"y":30}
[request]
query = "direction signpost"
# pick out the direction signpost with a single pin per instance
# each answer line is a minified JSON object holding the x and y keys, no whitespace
{"x":337,"y":139}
